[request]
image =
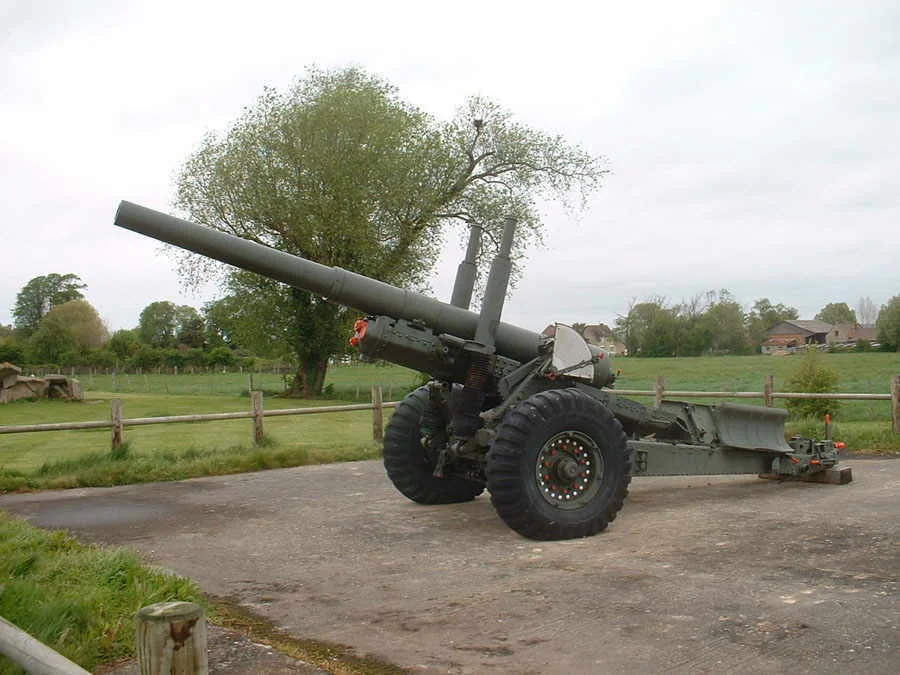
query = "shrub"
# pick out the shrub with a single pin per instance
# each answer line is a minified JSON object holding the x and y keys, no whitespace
{"x":220,"y":356}
{"x":100,"y":358}
{"x":146,"y":358}
{"x":814,"y":377}
{"x":12,"y":351}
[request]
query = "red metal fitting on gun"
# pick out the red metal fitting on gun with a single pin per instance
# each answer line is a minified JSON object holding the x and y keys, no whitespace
{"x":359,"y":331}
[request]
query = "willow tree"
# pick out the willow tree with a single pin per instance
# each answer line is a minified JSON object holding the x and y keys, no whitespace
{"x":340,"y":170}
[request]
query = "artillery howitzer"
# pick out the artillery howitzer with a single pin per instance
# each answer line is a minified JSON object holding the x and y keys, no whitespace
{"x":531,"y":418}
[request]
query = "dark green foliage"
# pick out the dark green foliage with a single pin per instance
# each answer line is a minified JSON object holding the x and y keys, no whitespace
{"x":220,"y":356}
{"x":157,"y":324}
{"x":724,"y":323}
{"x":146,"y":358}
{"x":50,"y":341}
{"x":714,"y":324}
{"x":189,"y":329}
{"x":813,"y":376}
{"x":649,"y":329}
{"x":888,"y":324}
{"x":42,"y":294}
{"x":98,"y":358}
{"x":123,"y":343}
{"x":837,"y":312}
{"x":164,"y":324}
{"x":11,"y":351}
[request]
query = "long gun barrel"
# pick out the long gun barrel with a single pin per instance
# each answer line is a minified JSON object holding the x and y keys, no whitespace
{"x":333,"y":283}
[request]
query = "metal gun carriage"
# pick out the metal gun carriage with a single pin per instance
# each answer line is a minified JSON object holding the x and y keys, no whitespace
{"x":535,"y":420}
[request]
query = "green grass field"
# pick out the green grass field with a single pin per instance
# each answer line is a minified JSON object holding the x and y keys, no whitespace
{"x":859,"y":372}
{"x":171,"y":451}
{"x":162,"y":452}
{"x":348,"y":383}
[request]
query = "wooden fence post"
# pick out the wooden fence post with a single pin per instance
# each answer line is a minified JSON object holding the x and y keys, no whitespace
{"x":171,"y":638}
{"x":118,"y":428}
{"x":895,"y":403}
{"x":377,"y":414}
{"x":660,"y":389}
{"x":768,"y":388}
{"x":256,"y":407}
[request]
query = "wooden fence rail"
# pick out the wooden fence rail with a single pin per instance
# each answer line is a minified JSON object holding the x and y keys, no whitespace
{"x":768,"y":394}
{"x":118,"y":423}
{"x":257,"y":412}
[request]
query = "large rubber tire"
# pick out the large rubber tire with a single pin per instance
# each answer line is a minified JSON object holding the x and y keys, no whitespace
{"x":408,"y":465}
{"x":559,"y":467}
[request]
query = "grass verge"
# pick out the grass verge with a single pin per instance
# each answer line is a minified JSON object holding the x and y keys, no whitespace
{"x":81,"y":601}
{"x":78,"y":599}
{"x":124,"y":467}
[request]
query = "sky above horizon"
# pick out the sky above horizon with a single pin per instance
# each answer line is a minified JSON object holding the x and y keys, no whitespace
{"x":753,"y":147}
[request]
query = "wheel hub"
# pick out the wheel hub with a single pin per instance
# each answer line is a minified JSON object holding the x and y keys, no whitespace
{"x":568,"y":470}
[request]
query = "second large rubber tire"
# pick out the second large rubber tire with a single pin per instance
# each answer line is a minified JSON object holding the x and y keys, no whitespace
{"x":559,"y":467}
{"x":407,"y":464}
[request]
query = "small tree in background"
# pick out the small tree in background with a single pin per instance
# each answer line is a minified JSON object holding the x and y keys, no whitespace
{"x":82,"y":320}
{"x":70,"y":330}
{"x":12,"y":351}
{"x":813,"y":376}
{"x":123,"y":344}
{"x":836,"y":312}
{"x":764,"y":315}
{"x":42,"y":294}
{"x":889,"y":324}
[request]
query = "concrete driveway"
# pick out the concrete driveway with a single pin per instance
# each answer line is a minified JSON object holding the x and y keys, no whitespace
{"x":698,"y":574}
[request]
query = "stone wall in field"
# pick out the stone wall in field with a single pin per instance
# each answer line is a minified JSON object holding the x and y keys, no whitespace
{"x":15,"y":386}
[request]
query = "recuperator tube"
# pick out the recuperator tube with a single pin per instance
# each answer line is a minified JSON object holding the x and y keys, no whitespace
{"x":467,"y":271}
{"x":495,"y":290}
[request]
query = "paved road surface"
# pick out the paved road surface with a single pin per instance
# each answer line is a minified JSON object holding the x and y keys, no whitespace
{"x":727,"y":574}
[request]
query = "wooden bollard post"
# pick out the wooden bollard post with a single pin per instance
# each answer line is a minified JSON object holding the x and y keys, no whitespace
{"x":768,"y":390}
{"x":895,"y":403}
{"x":118,"y":428}
{"x":256,"y":408}
{"x":171,"y":639}
{"x":377,"y":414}
{"x":660,"y":389}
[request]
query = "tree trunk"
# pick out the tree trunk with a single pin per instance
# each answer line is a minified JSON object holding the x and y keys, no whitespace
{"x":309,"y":379}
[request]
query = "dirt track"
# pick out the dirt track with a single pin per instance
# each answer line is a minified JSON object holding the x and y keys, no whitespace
{"x":729,"y":574}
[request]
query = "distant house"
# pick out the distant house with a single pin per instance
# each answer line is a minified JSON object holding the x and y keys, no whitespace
{"x":789,"y":335}
{"x":849,"y":333}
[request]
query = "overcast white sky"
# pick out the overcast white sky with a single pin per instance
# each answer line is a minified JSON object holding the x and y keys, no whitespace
{"x":755,"y":146}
